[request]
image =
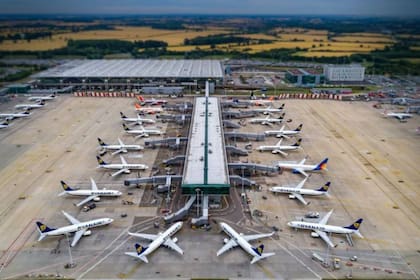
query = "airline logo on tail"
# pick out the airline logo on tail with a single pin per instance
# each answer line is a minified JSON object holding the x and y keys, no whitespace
{"x":101,"y":143}
{"x":299,"y":128}
{"x":43,"y":228}
{"x":355,"y":225}
{"x":140,"y":249}
{"x":282,"y":116}
{"x":100,"y":160}
{"x":65,"y":186}
{"x":125,"y":127}
{"x":282,"y":106}
{"x":325,"y":187}
{"x":259,"y":250}
{"x":322,"y":165}
{"x":122,"y":115}
{"x":297,"y":144}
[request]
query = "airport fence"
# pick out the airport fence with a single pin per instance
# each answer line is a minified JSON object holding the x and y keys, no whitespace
{"x":104,"y":94}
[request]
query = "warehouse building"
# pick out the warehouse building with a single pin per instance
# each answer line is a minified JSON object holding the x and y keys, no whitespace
{"x":344,"y":73}
{"x":304,"y":77}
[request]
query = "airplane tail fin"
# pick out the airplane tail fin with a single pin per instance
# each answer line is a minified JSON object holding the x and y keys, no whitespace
{"x":355,"y":226}
{"x":297,"y":144}
{"x":140,"y":98}
{"x":122,"y":115}
{"x":42,"y":229}
{"x":259,"y":250}
{"x":282,"y":116}
{"x":299,"y":128}
{"x":263,"y":256}
{"x":6,"y":122}
{"x":140,"y":250}
{"x":42,"y":102}
{"x":282,"y":106}
{"x":101,"y":143}
{"x":271,"y":98}
{"x":322,"y":165}
{"x":138,"y":106}
{"x":126,"y":128}
{"x":100,"y":160}
{"x":66,"y":187}
{"x":325,"y":187}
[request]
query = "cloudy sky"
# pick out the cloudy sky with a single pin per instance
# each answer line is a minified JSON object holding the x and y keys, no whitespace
{"x":271,"y":7}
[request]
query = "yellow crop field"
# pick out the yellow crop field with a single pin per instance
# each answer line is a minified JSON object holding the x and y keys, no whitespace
{"x":363,"y":39}
{"x":258,"y":36}
{"x":325,"y":54}
{"x":304,"y":37}
{"x":172,"y":37}
{"x":345,"y":46}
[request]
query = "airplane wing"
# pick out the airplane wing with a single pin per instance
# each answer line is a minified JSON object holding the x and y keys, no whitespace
{"x":93,"y":184}
{"x":301,"y":172}
{"x":300,"y":198}
{"x":146,"y":236}
{"x":117,"y":151}
{"x":123,"y":160}
{"x":325,"y":237}
{"x":229,"y":245}
{"x":71,"y":219}
{"x":324,"y":219}
{"x":121,"y":143}
{"x":302,"y":161}
{"x":120,"y":171}
{"x":77,"y":237}
{"x":279,"y":143}
{"x":87,"y":199}
{"x":302,"y":183}
{"x":256,"y":236}
{"x":172,"y":245}
{"x":278,"y":151}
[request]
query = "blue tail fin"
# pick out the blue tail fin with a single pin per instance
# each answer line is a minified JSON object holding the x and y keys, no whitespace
{"x":299,"y":128}
{"x":100,"y":160}
{"x":355,"y":225}
{"x":325,"y":187}
{"x":140,"y":249}
{"x":322,"y":165}
{"x":125,"y":127}
{"x":122,"y":115}
{"x":101,"y":143}
{"x":259,"y":250}
{"x":43,"y":228}
{"x":282,"y":106}
{"x":297,"y":144}
{"x":65,"y":186}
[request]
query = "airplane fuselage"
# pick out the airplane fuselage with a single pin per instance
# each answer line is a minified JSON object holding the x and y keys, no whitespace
{"x":162,"y":238}
{"x":295,"y":190}
{"x":274,"y":148}
{"x":238,"y":239}
{"x":94,"y":192}
{"x":127,"y":166}
{"x":80,"y":226}
{"x":138,"y":120}
{"x":292,"y":166}
{"x":17,"y":115}
{"x":122,"y":147}
{"x":279,"y":133}
{"x":316,"y":226}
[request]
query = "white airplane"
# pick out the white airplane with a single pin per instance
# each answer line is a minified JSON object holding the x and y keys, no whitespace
{"x":268,"y":121}
{"x":151,"y":101}
{"x":262,"y":102}
{"x":279,"y":149}
{"x":239,"y":239}
{"x":122,"y":167}
{"x":4,"y":124}
{"x":142,"y":132}
{"x":400,"y":116}
{"x":147,"y":110}
{"x":301,"y":167}
{"x":139,"y":120}
{"x":40,"y":98}
{"x":11,"y":116}
{"x":269,"y":110}
{"x":298,"y":191}
{"x":30,"y":106}
{"x":92,"y":194}
{"x":284,"y":133}
{"x":78,"y":228}
{"x":119,"y":148}
{"x":157,"y":240}
{"x":321,"y":229}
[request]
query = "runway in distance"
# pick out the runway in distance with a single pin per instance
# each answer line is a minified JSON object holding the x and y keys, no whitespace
{"x":119,"y":148}
{"x":40,"y":98}
{"x":301,"y":167}
{"x":284,"y":133}
{"x":141,"y":132}
{"x":11,"y":116}
{"x":139,"y":120}
{"x":299,"y":191}
{"x":279,"y":149}
{"x":321,"y":229}
{"x":30,"y":106}
{"x":122,"y":167}
{"x":157,"y":240}
{"x":268,"y":121}
{"x":147,"y":110}
{"x":93,"y":194}
{"x":239,"y":239}
{"x":78,"y":228}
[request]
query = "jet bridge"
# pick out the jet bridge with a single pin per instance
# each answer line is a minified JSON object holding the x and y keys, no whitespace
{"x":244,"y":136}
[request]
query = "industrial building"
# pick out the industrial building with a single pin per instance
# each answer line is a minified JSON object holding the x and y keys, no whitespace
{"x":132,"y":74}
{"x":304,"y":77}
{"x":344,"y":73}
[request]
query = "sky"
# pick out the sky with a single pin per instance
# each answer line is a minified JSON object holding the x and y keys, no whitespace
{"x":239,"y":7}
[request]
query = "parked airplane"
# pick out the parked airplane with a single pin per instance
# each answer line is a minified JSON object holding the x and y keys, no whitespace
{"x":92,"y":194}
{"x":157,"y":240}
{"x":142,"y":132}
{"x":139,"y":120}
{"x":262,"y":102}
{"x":78,"y":228}
{"x":278,"y":148}
{"x":301,"y":167}
{"x":268,"y":121}
{"x":147,"y":110}
{"x":268,"y":110}
{"x":284,"y":133}
{"x":321,"y":229}
{"x":11,"y":116}
{"x":400,"y":116}
{"x":239,"y":239}
{"x":298,"y":191}
{"x":122,"y":167}
{"x":120,"y":148}
{"x":4,"y":124}
{"x":30,"y":106}
{"x":152,"y":101}
{"x":40,"y":98}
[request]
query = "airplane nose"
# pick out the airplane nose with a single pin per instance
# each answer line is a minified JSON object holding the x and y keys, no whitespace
{"x":110,"y":220}
{"x":290,"y":224}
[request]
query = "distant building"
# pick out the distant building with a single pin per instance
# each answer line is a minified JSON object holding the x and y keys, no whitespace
{"x":304,"y":77}
{"x":344,"y":73}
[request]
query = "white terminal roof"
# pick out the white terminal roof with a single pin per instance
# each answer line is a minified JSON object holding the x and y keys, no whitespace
{"x":217,"y":169}
{"x":136,"y":68}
